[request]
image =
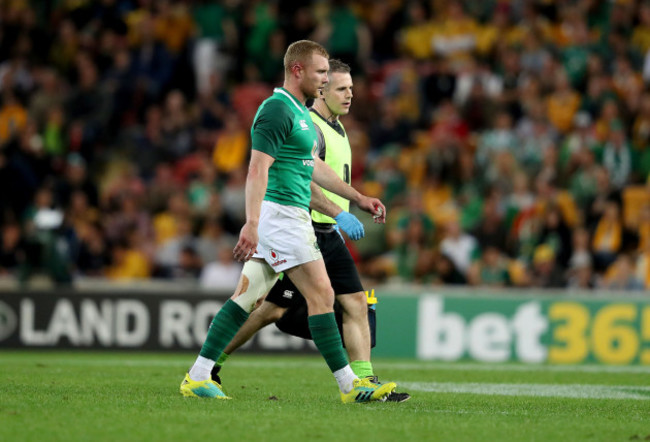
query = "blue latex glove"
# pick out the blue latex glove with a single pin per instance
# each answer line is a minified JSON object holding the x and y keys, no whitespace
{"x":350,"y":225}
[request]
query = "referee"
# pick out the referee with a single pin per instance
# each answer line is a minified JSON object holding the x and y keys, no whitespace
{"x":284,"y":304}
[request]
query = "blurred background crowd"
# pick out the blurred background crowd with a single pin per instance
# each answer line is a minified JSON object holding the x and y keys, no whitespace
{"x":510,"y":140}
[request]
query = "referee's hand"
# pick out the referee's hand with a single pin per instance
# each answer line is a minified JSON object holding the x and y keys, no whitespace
{"x":247,"y":244}
{"x":350,"y":225}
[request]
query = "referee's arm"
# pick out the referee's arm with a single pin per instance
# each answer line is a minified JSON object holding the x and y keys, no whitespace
{"x":325,"y":177}
{"x":322,"y":204}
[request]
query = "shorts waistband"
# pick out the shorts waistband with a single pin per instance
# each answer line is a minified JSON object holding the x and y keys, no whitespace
{"x":323,"y":227}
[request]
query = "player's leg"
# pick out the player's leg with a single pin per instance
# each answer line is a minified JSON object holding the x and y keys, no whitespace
{"x":312,"y":281}
{"x":273,"y":307}
{"x":288,"y":243}
{"x":265,"y":314}
{"x":256,"y":280}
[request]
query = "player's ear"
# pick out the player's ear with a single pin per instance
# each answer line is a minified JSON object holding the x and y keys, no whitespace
{"x":295,"y":69}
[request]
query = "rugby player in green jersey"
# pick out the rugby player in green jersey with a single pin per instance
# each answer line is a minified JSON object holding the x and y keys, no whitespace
{"x":284,"y":305}
{"x":278,"y":235}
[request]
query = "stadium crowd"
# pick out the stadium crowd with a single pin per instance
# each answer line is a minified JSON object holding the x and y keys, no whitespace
{"x":510,"y":140}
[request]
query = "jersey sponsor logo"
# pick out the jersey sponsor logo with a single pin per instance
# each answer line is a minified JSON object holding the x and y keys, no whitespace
{"x":288,"y":294}
{"x":314,"y":154}
{"x":303,"y":125}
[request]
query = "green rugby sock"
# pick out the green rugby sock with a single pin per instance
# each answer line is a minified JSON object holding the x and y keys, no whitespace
{"x":362,"y":368}
{"x":223,"y":328}
{"x":325,"y":334}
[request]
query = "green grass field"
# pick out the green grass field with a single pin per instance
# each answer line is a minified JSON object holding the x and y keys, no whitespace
{"x":132,"y":396}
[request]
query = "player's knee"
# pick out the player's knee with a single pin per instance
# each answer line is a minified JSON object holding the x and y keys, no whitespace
{"x":256,"y":280}
{"x":323,"y":301}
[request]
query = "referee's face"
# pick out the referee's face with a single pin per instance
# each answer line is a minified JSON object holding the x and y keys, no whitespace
{"x":314,"y":76}
{"x":338,"y":93}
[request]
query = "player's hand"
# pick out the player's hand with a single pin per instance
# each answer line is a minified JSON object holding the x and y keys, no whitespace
{"x":350,"y":225}
{"x":374,"y":207}
{"x":247,"y":244}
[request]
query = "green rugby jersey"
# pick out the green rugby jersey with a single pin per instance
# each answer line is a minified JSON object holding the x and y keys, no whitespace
{"x":283,"y":129}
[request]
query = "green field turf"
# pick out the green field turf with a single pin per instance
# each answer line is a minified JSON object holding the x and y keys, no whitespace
{"x":88,"y":396}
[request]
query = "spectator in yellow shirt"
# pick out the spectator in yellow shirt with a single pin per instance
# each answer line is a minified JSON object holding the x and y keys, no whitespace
{"x":499,"y":31}
{"x":643,"y":230}
{"x":128,"y":263}
{"x":415,"y":39}
{"x":563,"y":103}
{"x":608,"y":236}
{"x":165,"y":224}
{"x":173,"y":25}
{"x":455,"y":36}
{"x":13,"y":117}
{"x":231,"y":149}
{"x":641,"y":34}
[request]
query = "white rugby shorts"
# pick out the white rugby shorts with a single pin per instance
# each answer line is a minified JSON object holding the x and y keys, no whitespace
{"x":286,"y":236}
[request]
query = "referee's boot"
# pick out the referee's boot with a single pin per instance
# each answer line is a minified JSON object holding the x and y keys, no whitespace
{"x":394,"y":396}
{"x":365,"y":391}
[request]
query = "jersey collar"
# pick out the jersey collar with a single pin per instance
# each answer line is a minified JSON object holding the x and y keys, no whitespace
{"x":336,"y":125}
{"x":294,"y":100}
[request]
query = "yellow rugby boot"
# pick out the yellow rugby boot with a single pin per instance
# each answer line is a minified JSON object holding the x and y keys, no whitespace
{"x":365,"y":391}
{"x":208,"y":388}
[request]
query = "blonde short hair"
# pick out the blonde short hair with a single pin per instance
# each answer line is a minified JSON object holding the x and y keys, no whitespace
{"x":300,"y":52}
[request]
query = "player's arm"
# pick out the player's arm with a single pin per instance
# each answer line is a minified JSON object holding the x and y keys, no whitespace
{"x":256,"y":182}
{"x":325,"y":177}
{"x":270,"y":129}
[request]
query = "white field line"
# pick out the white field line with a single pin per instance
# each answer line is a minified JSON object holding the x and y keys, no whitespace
{"x":579,"y":391}
{"x":461,"y":366}
{"x":248,"y":361}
